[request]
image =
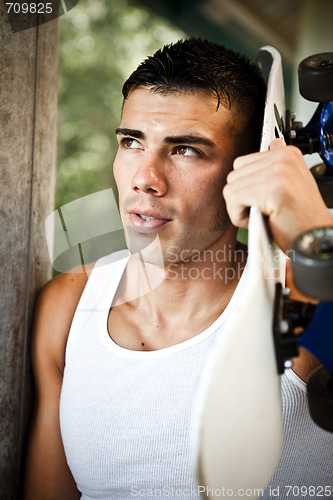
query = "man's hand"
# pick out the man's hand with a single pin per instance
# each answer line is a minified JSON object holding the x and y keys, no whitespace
{"x":280,"y":184}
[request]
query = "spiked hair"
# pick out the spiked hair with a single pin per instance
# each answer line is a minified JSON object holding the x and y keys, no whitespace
{"x":200,"y":65}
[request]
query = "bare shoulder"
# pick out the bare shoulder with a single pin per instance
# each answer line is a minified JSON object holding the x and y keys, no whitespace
{"x":54,"y":312}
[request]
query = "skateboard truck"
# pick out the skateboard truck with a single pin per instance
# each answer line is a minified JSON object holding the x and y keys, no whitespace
{"x":300,"y":324}
{"x":315,"y":74}
{"x":289,"y":315}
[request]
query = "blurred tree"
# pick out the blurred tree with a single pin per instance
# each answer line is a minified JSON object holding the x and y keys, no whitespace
{"x":100,"y":43}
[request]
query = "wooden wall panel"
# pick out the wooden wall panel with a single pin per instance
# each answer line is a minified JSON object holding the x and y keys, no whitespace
{"x":28,"y":111}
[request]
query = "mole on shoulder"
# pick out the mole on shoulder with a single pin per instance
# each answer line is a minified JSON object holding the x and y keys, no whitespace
{"x":142,"y":343}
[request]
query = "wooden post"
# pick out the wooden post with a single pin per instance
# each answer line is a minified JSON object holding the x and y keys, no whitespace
{"x":28,"y":111}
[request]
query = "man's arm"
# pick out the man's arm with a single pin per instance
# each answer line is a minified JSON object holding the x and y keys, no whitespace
{"x":280,"y":184}
{"x":47,"y":476}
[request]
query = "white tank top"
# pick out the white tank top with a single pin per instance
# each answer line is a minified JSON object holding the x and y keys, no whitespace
{"x":125,"y":415}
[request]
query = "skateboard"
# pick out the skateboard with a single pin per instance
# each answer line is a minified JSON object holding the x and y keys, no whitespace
{"x":237,"y":425}
{"x":237,"y":419}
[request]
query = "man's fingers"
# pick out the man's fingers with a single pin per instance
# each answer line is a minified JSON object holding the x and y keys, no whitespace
{"x":278,"y":154}
{"x":241,"y":161}
{"x":238,"y":212}
{"x":280,"y":184}
{"x":277,"y":143}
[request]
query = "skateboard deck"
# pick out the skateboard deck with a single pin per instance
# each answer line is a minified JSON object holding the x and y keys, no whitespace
{"x":237,"y":420}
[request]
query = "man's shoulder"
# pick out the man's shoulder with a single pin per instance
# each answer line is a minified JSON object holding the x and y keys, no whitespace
{"x":65,"y":289}
{"x":54,"y":312}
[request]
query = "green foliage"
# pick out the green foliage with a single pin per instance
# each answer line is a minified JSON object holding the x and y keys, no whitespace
{"x":100,"y":43}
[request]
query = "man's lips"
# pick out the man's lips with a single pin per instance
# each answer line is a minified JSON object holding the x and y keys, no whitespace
{"x":147,"y":219}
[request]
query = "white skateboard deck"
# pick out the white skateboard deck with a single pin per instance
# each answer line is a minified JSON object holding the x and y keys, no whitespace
{"x":237,"y":422}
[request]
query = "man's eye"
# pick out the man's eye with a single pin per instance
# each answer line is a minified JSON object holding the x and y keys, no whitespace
{"x":186,"y":151}
{"x":129,"y":143}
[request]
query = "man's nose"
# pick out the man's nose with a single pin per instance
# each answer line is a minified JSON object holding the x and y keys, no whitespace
{"x":149,"y":176}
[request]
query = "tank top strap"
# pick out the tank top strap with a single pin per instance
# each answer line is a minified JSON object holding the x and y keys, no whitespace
{"x":103,"y":282}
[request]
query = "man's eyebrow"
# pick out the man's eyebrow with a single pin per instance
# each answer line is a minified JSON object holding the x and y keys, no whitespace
{"x":130,"y":131}
{"x":172,"y":139}
{"x":189,"y":139}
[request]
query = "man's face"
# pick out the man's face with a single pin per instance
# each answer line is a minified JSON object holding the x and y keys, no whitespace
{"x":174,"y":154}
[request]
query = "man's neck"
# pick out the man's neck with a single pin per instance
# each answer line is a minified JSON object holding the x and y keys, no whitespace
{"x":156,"y":307}
{"x":184,"y":291}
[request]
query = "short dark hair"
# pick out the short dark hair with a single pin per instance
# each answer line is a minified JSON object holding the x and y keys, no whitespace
{"x":197,"y":64}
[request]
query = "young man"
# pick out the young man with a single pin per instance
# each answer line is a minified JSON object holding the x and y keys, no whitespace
{"x":133,"y":358}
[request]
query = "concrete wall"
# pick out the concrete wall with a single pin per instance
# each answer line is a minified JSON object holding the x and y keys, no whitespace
{"x":28,"y":106}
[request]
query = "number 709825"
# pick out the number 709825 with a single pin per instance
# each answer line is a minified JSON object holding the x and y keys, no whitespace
{"x":31,"y":8}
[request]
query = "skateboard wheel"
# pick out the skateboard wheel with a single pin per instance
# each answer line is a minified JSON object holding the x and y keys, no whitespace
{"x":324,"y":183}
{"x":312,"y":263}
{"x":315,"y":77}
{"x":320,"y":398}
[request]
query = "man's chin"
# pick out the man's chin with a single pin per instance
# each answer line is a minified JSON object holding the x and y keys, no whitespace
{"x":149,"y":257}
{"x":144,"y":244}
